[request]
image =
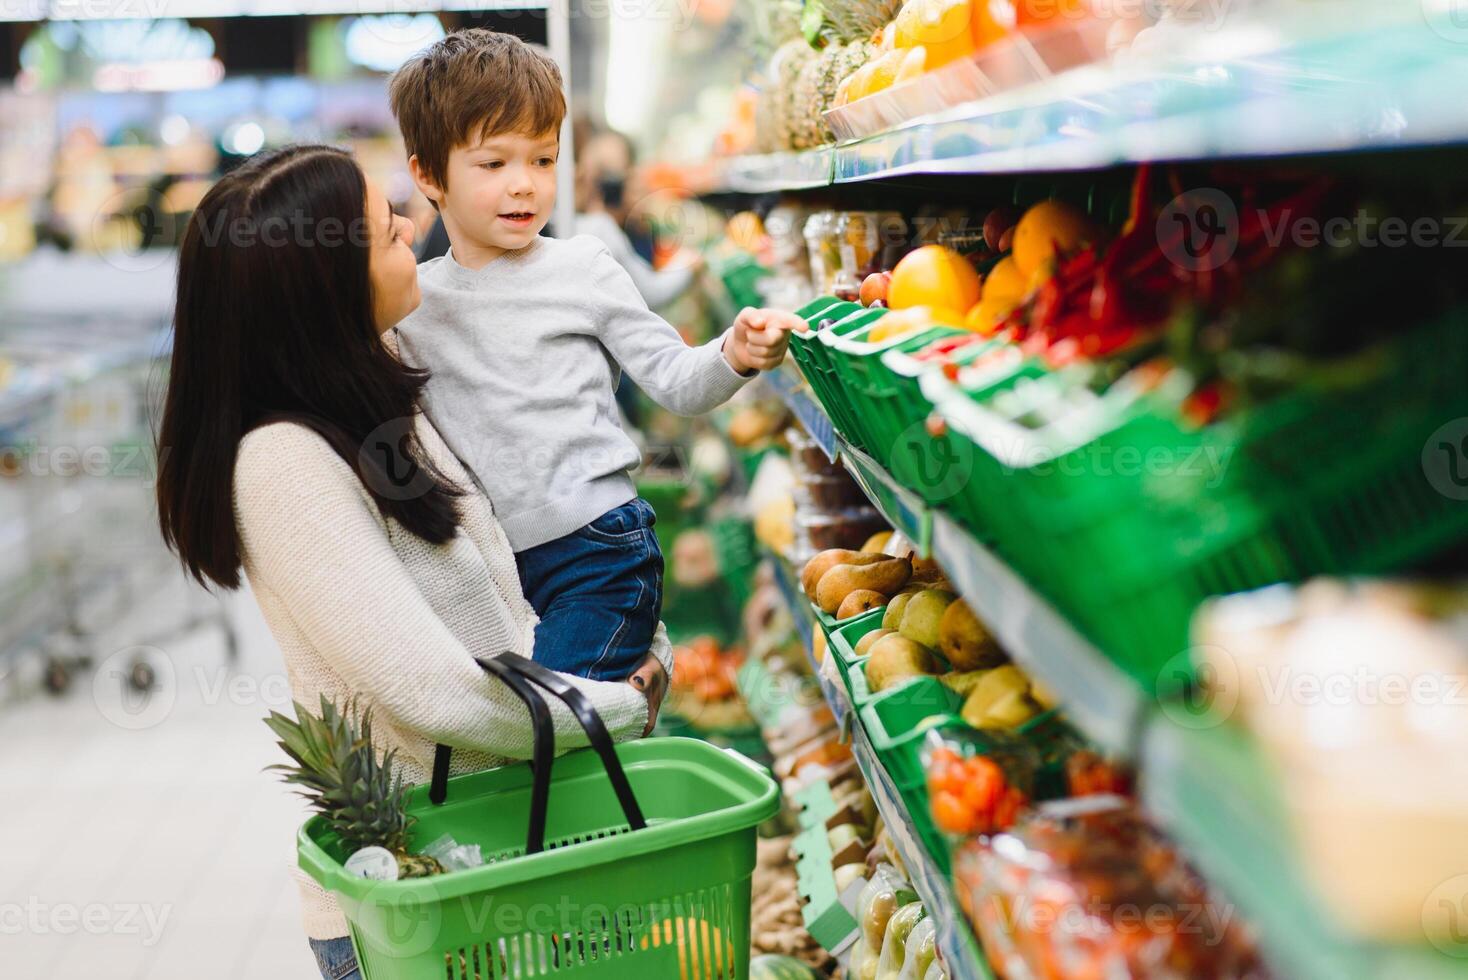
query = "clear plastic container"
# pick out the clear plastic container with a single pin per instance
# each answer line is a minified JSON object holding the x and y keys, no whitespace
{"x":846,"y":529}
{"x":822,"y":251}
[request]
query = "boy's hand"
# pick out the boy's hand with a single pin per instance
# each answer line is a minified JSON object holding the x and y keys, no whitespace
{"x":759,"y":339}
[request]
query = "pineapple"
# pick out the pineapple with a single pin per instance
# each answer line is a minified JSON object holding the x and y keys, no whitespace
{"x":850,"y":26}
{"x":860,"y":20}
{"x":806,"y":127}
{"x":342,"y":777}
{"x":785,"y":71}
{"x":845,"y":61}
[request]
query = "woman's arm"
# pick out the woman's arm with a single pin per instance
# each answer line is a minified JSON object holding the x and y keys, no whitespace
{"x":311,"y":536}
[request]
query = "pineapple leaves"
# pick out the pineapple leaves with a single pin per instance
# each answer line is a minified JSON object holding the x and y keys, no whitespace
{"x":336,"y":769}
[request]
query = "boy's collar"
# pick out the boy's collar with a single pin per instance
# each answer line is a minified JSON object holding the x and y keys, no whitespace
{"x":465,"y":274}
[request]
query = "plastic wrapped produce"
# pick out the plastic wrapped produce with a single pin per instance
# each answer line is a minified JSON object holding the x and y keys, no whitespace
{"x":886,"y":891}
{"x":1355,"y":691}
{"x":922,"y":947}
{"x":978,"y":782}
{"x":879,"y":900}
{"x":894,"y":943}
{"x":936,"y":972}
{"x":1088,"y":888}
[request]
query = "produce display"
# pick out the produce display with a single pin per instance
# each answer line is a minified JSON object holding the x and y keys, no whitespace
{"x":1035,"y":335}
{"x":837,"y":53}
{"x":1078,"y":389}
{"x":925,"y":631}
{"x":1091,"y":889}
{"x":703,"y":688}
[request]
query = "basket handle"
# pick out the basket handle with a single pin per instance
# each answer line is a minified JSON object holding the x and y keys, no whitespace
{"x":522,"y":676}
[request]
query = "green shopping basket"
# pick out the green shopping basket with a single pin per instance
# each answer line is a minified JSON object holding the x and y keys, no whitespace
{"x":638,"y":867}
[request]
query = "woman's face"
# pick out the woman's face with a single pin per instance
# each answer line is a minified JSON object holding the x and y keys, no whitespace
{"x":393,"y":266}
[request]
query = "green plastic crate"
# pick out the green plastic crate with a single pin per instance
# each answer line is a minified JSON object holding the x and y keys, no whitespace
{"x":1312,"y":482}
{"x":933,"y":465}
{"x":812,"y":352}
{"x":741,"y":276}
{"x":857,"y":362}
{"x":599,"y":902}
{"x":899,"y":413}
{"x":841,"y":644}
{"x":734,"y":546}
{"x":897,"y":723}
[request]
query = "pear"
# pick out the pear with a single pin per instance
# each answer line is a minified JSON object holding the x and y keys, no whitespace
{"x":965,"y":641}
{"x":884,"y":575}
{"x":892,"y":618}
{"x":1011,"y":710}
{"x":992,"y":689}
{"x":963,"y":682}
{"x":894,"y":659}
{"x":825,"y":561}
{"x":859,"y":602}
{"x":923,"y":613}
{"x":864,"y":645}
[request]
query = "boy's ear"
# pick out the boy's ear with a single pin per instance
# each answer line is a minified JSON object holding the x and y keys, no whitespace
{"x":420,"y":177}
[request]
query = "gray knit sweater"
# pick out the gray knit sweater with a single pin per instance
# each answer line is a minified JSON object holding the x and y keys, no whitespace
{"x":525,"y":354}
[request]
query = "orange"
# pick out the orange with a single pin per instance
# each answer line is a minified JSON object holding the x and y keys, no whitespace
{"x":1005,"y":281}
{"x":1046,"y":228}
{"x":700,"y":950}
{"x":992,"y":20}
{"x":988,"y":313}
{"x":940,"y":26}
{"x":934,"y":276}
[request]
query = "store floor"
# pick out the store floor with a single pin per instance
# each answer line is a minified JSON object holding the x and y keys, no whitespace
{"x":143,"y":841}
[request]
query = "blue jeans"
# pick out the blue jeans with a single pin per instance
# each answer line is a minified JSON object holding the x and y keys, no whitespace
{"x":336,"y":958}
{"x":598,"y":592}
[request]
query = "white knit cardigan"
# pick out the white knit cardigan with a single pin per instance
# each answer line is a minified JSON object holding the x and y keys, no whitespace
{"x":363,"y":608}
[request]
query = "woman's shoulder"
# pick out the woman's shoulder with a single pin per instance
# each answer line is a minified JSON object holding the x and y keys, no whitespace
{"x":282,"y":455}
{"x":269,"y":444}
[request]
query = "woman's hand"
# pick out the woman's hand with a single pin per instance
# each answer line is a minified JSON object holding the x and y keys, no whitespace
{"x":652,"y":680}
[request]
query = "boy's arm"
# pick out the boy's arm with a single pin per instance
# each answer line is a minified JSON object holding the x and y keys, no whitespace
{"x":684,"y":380}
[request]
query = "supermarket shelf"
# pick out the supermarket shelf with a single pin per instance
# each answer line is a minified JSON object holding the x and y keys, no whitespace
{"x":791,"y":388}
{"x":955,"y":939}
{"x":1378,"y":88}
{"x":771,"y":172}
{"x":956,"y":942}
{"x":1214,"y":793}
{"x":1101,"y":700}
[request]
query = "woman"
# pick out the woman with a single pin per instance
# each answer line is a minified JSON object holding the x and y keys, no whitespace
{"x":292,"y":446}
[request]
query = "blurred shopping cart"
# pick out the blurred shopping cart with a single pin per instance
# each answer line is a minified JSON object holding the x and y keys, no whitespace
{"x":80,"y":550}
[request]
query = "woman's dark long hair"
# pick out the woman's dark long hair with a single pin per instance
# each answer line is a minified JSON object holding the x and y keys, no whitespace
{"x":274,"y":323}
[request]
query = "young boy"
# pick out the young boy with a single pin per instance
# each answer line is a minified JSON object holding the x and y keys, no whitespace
{"x":524,"y":337}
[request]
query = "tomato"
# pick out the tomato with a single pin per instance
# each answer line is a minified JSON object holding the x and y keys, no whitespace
{"x":950,"y":814}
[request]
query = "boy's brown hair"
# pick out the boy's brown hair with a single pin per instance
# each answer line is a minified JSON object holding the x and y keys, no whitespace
{"x":471,"y":85}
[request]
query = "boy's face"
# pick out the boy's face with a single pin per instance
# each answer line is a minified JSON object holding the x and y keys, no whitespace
{"x":501,"y":192}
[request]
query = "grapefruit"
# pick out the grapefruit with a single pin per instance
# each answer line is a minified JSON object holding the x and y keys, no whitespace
{"x":934,"y":276}
{"x":1046,"y":229}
